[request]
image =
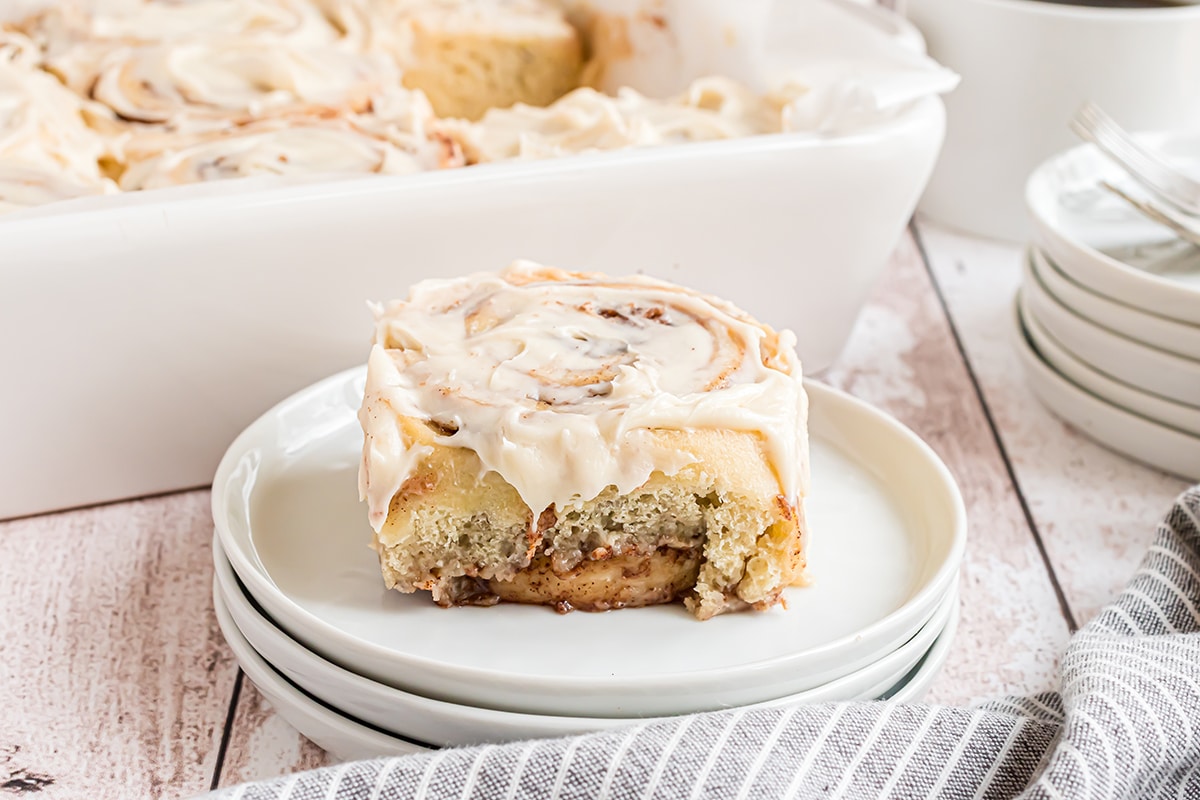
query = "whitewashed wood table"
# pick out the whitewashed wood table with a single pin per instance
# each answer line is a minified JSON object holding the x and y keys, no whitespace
{"x":115,"y":681}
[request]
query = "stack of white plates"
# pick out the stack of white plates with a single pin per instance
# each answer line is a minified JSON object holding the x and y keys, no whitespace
{"x":1108,"y":316}
{"x":362,"y":671}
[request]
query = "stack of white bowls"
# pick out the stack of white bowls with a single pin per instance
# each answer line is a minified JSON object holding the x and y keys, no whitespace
{"x":364,"y":671}
{"x":1108,"y":315}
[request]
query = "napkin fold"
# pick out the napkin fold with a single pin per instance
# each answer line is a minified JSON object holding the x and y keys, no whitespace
{"x":1125,"y":724}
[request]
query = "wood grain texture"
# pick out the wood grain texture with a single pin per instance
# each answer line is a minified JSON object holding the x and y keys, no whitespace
{"x":114,"y":679}
{"x":903,"y":359}
{"x":1095,"y":510}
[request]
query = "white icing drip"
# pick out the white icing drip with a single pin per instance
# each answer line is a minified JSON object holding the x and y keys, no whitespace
{"x":556,"y":381}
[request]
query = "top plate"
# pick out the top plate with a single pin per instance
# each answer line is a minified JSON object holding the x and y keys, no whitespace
{"x":1103,"y":244}
{"x":889,"y":530}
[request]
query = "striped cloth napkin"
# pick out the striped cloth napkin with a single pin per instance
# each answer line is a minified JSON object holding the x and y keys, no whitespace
{"x":1126,"y":724}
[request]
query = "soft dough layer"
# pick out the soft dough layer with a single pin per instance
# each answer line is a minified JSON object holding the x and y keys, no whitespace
{"x":566,"y":439}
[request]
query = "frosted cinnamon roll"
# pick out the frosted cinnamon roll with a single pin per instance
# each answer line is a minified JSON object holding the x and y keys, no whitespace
{"x":213,"y":83}
{"x":281,"y":147}
{"x":568,"y":439}
{"x":586,"y":120}
{"x":78,"y":36}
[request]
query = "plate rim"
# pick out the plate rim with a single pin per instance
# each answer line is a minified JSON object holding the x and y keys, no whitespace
{"x":1041,"y":375}
{"x":1111,"y":277}
{"x":421,"y":704}
{"x":260,"y":586}
{"x":1122,"y":356}
{"x":1093,"y":381}
{"x":1119,"y":317}
{"x":911,"y":688}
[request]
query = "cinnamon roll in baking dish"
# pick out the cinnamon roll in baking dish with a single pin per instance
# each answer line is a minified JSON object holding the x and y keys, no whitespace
{"x":561,"y":438}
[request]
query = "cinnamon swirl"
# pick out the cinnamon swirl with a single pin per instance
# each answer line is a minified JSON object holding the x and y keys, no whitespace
{"x":562,"y":438}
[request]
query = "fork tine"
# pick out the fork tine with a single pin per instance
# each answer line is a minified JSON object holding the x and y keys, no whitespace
{"x":1092,"y":124}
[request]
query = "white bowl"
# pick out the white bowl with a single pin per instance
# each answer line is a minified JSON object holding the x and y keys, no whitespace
{"x":1101,"y":243}
{"x":1127,"y":433}
{"x":348,"y":739}
{"x":1161,"y":332}
{"x":1147,"y":368}
{"x":1130,"y":398}
{"x":889,"y":530}
{"x":1026,"y":67}
{"x":140,"y":336}
{"x":450,"y":724}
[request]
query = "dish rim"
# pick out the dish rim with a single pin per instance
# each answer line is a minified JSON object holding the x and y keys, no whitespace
{"x":1080,"y":261}
{"x":1129,"y":321}
{"x":920,"y":603}
{"x":1169,"y":373}
{"x":1091,"y":380}
{"x":227,"y":582}
{"x":233,"y":194}
{"x":908,"y":688}
{"x":1040,"y":374}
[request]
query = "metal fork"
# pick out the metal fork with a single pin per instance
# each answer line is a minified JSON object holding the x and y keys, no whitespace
{"x":1146,"y":167}
{"x":1188,"y":231}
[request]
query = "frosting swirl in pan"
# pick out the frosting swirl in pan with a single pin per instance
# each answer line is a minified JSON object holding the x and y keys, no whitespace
{"x":47,"y":150}
{"x":586,"y":120}
{"x":230,"y":81}
{"x":557,"y":381}
{"x":77,"y":35}
{"x":274,"y":147}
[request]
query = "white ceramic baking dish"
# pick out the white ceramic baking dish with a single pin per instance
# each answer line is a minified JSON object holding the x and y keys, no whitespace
{"x":140,"y":333}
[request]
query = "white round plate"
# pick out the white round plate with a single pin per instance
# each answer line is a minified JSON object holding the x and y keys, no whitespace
{"x":888,"y":534}
{"x":348,"y":739}
{"x":1101,"y":243}
{"x":345,"y":738}
{"x":1150,"y":406}
{"x":1147,"y":368}
{"x":450,"y":724}
{"x":1161,"y":332}
{"x":1125,"y":432}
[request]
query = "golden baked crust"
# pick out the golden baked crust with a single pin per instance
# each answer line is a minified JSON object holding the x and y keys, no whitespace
{"x":468,"y":59}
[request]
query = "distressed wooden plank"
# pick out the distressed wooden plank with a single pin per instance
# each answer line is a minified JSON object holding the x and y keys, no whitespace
{"x":1094,"y":509}
{"x":902,"y":358}
{"x":114,"y":679}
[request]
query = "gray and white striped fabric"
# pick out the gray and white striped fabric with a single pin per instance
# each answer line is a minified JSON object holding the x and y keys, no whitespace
{"x":1126,"y":724}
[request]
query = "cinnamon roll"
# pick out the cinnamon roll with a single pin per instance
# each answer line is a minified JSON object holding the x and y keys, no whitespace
{"x":282,"y":147}
{"x":206,"y":84}
{"x":569,"y":439}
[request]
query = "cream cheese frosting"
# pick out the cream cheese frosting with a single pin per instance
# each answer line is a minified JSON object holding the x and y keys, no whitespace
{"x":47,"y":150}
{"x":586,"y":120}
{"x":177,"y":91}
{"x":557,"y":381}
{"x":273,"y":147}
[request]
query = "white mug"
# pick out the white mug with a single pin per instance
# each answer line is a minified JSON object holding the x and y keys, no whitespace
{"x":1026,"y":67}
